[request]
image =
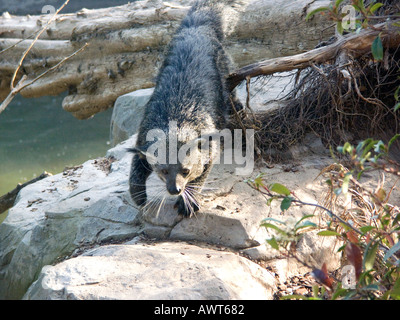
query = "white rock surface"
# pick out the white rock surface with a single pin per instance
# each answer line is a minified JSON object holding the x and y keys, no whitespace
{"x":162,"y":271}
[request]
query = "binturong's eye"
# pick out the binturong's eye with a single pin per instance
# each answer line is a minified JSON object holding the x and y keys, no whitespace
{"x":185,"y":172}
{"x":164,"y":172}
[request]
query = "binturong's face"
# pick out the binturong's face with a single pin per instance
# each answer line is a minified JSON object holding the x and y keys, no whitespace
{"x":189,"y":166}
{"x":178,"y":169}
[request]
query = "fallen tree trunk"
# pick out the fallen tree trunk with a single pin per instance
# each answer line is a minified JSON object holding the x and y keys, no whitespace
{"x":126,"y":46}
{"x":354,"y":45}
{"x":7,"y":201}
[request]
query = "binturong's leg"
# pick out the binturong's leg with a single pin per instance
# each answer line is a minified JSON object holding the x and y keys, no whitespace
{"x":140,"y":171}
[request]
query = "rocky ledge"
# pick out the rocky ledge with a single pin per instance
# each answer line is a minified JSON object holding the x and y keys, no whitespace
{"x":77,"y":234}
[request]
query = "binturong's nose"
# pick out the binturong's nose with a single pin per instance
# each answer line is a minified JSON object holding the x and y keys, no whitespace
{"x":173,"y":189}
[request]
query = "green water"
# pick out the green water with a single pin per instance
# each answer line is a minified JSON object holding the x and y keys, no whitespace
{"x":37,"y":135}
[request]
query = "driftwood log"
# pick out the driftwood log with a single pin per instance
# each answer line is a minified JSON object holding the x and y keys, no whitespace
{"x":126,"y":45}
{"x":7,"y":201}
{"x":350,"y":46}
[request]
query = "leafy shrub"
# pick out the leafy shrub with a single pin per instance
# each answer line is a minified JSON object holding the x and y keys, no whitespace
{"x":369,"y":230}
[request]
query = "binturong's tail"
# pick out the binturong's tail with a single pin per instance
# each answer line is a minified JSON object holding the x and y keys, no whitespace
{"x":204,"y":13}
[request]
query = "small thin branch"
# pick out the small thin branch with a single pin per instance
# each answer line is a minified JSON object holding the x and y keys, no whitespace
{"x":22,"y":85}
{"x":376,"y":102}
{"x":17,"y":43}
{"x":53,"y":67}
{"x":12,"y":93}
{"x":33,"y":42}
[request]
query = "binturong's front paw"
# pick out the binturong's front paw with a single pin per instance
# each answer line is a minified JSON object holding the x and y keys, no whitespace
{"x":186,"y":207}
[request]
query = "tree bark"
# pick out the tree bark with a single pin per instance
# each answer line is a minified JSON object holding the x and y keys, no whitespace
{"x":126,"y":45}
{"x":354,"y":45}
{"x":7,"y":201}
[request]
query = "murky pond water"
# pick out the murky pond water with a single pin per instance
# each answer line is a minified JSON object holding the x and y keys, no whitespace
{"x":37,"y":135}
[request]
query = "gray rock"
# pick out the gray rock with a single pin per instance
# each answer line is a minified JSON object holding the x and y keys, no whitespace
{"x":57,"y":215}
{"x":127,"y":114}
{"x":164,"y":271}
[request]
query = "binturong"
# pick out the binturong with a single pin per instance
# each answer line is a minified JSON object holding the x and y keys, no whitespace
{"x":190,"y":103}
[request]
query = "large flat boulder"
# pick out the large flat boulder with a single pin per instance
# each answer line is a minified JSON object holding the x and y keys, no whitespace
{"x":161,"y":271}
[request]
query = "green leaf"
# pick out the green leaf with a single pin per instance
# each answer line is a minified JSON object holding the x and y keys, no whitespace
{"x":375,"y":7}
{"x":269,"y":200}
{"x":274,"y":220}
{"x":258,"y":181}
{"x":345,"y":184}
{"x":395,"y":292}
{"x":279,"y":188}
{"x":396,"y":106}
{"x":371,"y":287}
{"x":361,"y":4}
{"x":286,"y":202}
{"x":306,"y":224}
{"x":338,"y":2}
{"x":272,"y":226}
{"x":393,"y":139}
{"x":377,"y":49}
{"x":302,"y":218}
{"x":378,"y":146}
{"x":315,"y":290}
{"x":273,"y":243}
{"x":366,"y":229}
{"x":369,"y":256}
{"x":328,"y":233}
{"x":345,"y":226}
{"x":339,"y":27}
{"x":347,"y":148}
{"x":313,"y":12}
{"x":391,"y":251}
{"x":396,"y":94}
{"x":369,"y":145}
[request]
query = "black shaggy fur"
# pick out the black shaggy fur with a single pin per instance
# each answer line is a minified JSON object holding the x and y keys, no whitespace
{"x":191,"y":90}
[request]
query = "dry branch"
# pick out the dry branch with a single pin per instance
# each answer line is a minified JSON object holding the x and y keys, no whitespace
{"x":33,"y":42}
{"x":354,"y":45}
{"x":7,"y":201}
{"x":22,"y":84}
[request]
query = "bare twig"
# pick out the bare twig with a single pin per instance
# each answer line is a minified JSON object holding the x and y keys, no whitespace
{"x":22,"y":85}
{"x":33,"y":42}
{"x":17,"y":43}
